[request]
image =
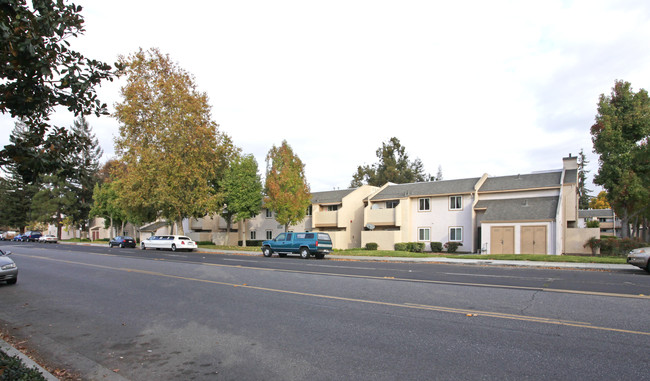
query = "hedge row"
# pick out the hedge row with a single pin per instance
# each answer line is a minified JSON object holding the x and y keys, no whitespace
{"x":12,"y":368}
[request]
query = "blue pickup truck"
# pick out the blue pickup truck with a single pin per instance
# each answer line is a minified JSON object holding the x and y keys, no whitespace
{"x":305,"y":244}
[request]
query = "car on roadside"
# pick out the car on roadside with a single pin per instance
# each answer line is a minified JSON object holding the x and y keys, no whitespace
{"x":48,"y":238}
{"x":305,"y":244}
{"x":18,"y":238}
{"x":169,"y":242}
{"x":8,"y":268}
{"x":31,"y":236}
{"x":7,"y":236}
{"x":122,"y":241}
{"x":640,"y":257}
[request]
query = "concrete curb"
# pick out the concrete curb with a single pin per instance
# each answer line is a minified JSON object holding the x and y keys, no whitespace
{"x":29,"y":363}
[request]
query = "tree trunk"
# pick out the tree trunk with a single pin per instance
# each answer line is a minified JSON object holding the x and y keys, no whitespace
{"x":179,"y":226}
{"x":243,"y":229}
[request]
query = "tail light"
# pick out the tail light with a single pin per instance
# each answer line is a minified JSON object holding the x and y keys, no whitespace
{"x":316,"y":243}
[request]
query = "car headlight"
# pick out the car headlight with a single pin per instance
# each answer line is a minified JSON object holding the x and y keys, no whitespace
{"x":9,"y":266}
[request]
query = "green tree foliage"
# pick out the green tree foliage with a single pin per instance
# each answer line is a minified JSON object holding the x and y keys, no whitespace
{"x":39,"y":72}
{"x":168,"y":142}
{"x":16,"y":193}
{"x":53,"y":201}
{"x":85,"y":162}
{"x":394,"y":166}
{"x":287,"y":191}
{"x":620,"y":136}
{"x":583,"y":191}
{"x":242,"y":188}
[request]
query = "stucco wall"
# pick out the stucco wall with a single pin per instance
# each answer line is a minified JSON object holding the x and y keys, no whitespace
{"x":576,"y":238}
{"x":385,"y":239}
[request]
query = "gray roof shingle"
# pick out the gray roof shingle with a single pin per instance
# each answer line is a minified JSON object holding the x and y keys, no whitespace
{"x":330,"y":196}
{"x":586,"y":213}
{"x":522,"y":182}
{"x":432,"y":188}
{"x":519,"y":209}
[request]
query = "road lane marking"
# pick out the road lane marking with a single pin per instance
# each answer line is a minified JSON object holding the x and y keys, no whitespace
{"x":467,"y":312}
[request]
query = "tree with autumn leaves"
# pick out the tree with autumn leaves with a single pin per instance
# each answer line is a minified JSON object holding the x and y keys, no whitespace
{"x":172,"y":149}
{"x":287,"y":191}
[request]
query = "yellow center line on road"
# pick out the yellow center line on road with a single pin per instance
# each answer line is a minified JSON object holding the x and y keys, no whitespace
{"x":467,"y":312}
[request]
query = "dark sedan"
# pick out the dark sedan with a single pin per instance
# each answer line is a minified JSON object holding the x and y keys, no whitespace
{"x":122,"y":241}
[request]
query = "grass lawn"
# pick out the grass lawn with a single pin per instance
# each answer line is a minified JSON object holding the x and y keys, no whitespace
{"x":508,"y":257}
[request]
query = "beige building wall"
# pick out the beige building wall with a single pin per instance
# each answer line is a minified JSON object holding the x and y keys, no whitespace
{"x":577,"y":237}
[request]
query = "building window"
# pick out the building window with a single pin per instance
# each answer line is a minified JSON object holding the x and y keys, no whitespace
{"x":269,"y":234}
{"x":424,"y":234}
{"x":332,"y":208}
{"x":269,"y":213}
{"x":309,"y":210}
{"x":455,"y":234}
{"x":392,"y":204}
{"x":456,"y":202}
{"x":253,"y":234}
{"x":424,"y":205}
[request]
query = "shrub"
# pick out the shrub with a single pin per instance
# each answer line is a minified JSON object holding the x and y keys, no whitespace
{"x":12,"y":368}
{"x":452,"y":246}
{"x":436,"y":247}
{"x":205,"y":243}
{"x":593,"y":224}
{"x":401,"y":246}
{"x":251,"y":242}
{"x":371,"y":246}
{"x":413,"y":247}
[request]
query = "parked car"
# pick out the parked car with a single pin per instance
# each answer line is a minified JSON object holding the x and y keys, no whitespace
{"x":47,"y":238}
{"x":171,"y":242}
{"x":31,"y":236}
{"x":304,"y":243}
{"x":8,"y":268}
{"x":122,"y":241}
{"x":640,"y":258}
{"x":8,"y":236}
{"x":18,"y":237}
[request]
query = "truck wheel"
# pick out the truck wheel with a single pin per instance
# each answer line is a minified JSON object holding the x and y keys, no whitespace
{"x":304,"y":253}
{"x":267,"y":251}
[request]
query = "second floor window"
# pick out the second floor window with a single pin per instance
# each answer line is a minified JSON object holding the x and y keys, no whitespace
{"x":392,"y":204}
{"x":332,"y":208}
{"x":269,"y":213}
{"x":456,"y":202}
{"x":424,"y":205}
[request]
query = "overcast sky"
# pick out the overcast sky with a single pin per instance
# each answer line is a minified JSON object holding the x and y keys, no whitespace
{"x":499,"y":87}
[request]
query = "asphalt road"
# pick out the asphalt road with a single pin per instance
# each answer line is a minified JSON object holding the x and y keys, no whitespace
{"x":143,"y":315}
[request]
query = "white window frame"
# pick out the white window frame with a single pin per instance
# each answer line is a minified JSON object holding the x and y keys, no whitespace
{"x":333,"y":208}
{"x":309,"y":210}
{"x":253,"y":235}
{"x":428,"y":234}
{"x":456,"y":228}
{"x":269,"y":234}
{"x":459,"y":202}
{"x":428,"y":204}
{"x":269,"y":213}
